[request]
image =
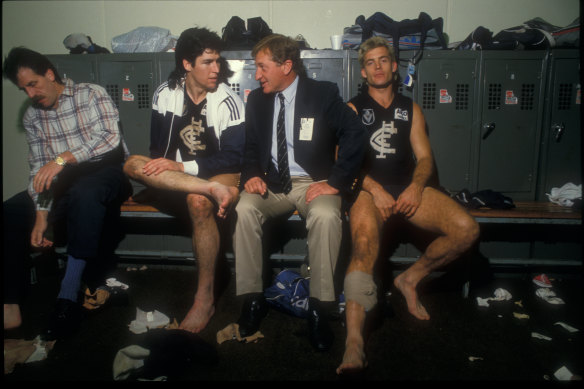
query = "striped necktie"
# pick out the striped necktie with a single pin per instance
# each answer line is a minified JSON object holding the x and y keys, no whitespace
{"x":283,"y":169}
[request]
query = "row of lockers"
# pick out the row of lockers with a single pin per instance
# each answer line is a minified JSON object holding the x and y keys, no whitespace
{"x":506,"y":121}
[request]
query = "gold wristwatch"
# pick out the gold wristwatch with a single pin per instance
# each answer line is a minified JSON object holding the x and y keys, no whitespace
{"x":60,"y":161}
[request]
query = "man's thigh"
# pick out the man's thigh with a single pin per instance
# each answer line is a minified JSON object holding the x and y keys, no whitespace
{"x":364,"y":217}
{"x":325,"y":205}
{"x":270,"y":206}
{"x":90,"y":189}
{"x":437,"y":212}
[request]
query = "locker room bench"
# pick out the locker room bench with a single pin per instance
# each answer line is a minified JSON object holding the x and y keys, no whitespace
{"x":528,"y":212}
{"x":526,"y":215}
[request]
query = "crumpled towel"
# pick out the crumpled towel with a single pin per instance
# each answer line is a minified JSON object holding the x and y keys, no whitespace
{"x":129,"y":359}
{"x":24,"y":351}
{"x":500,"y":295}
{"x":231,"y":332}
{"x":564,"y":195}
{"x":549,"y":296}
{"x":148,"y":320}
{"x":113,"y":283}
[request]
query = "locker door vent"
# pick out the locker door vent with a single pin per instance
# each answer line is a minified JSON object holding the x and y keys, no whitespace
{"x":527,"y":97}
{"x":114,"y":92}
{"x":235,"y":87}
{"x":429,"y":95}
{"x":461,"y":100}
{"x":565,"y":97}
{"x":143,"y":96}
{"x":494,"y":101}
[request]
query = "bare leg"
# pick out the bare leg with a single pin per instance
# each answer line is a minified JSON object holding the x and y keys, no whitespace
{"x":223,"y":195}
{"x":366,"y":224}
{"x":12,"y":317}
{"x":206,"y":244}
{"x":457,"y":233}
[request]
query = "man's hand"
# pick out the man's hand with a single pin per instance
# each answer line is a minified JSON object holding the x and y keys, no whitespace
{"x":384,"y":202}
{"x":256,"y":185}
{"x":37,"y":237}
{"x":44,"y":177}
{"x":319,"y":188}
{"x":159,"y":165}
{"x":409,"y":200}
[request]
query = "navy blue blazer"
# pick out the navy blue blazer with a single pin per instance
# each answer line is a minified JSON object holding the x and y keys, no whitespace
{"x":335,"y":124}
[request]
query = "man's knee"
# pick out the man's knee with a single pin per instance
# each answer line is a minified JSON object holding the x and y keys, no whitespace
{"x":365,"y":246}
{"x":133,"y":166}
{"x":200,"y":206}
{"x":246,"y":206}
{"x":467,"y":231}
{"x":324,"y":215}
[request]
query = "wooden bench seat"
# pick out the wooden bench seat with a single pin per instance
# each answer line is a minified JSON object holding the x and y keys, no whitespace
{"x":528,"y":212}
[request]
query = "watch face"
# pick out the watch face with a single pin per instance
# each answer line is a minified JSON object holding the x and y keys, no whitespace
{"x":60,"y":161}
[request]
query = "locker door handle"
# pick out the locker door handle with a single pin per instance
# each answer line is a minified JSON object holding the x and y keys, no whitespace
{"x":489,"y":127}
{"x":558,"y":131}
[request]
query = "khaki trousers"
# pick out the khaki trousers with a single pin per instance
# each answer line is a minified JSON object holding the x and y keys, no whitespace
{"x":323,"y":223}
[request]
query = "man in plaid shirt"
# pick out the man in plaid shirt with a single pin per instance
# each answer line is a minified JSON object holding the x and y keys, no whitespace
{"x":76,"y":153}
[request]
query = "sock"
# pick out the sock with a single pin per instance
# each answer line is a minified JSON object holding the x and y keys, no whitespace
{"x":72,"y":281}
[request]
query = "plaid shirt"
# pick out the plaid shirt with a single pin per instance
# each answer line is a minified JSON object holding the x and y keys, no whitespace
{"x":85,"y":123}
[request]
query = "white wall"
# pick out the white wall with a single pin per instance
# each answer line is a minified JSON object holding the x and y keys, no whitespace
{"x":42,"y":26}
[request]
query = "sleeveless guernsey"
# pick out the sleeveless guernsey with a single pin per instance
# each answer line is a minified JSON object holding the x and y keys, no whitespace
{"x":390,"y":159}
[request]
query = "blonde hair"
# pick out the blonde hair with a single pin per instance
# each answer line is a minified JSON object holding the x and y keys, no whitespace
{"x":373,"y":43}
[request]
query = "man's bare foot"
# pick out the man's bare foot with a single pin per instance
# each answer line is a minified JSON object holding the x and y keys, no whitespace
{"x":198,"y":316}
{"x":224,"y":196}
{"x":354,"y":360}
{"x":409,"y":292}
{"x":12,"y":317}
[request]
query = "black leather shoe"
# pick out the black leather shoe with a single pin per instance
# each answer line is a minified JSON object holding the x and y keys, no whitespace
{"x":320,"y":334}
{"x":254,"y":309}
{"x":64,"y":320}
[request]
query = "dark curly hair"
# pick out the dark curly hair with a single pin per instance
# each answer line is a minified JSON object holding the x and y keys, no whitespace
{"x":191,"y":44}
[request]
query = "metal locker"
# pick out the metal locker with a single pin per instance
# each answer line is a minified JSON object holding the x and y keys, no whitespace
{"x":165,"y":65}
{"x":446,"y":92}
{"x":510,"y":128}
{"x":243,"y":66}
{"x":129,"y":80}
{"x":561,"y":138}
{"x":79,"y":68}
{"x":327,"y":65}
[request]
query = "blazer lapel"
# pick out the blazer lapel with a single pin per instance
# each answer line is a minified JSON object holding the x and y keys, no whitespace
{"x":267,"y":117}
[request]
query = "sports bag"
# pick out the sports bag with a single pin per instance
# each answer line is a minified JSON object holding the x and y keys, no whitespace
{"x":408,"y":34}
{"x":289,"y":293}
{"x":237,"y":37}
